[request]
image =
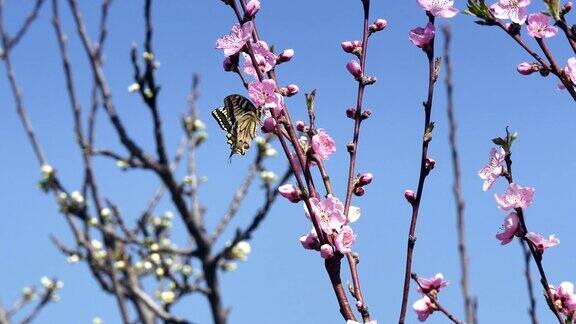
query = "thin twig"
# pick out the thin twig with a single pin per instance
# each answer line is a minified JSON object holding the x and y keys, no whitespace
{"x":457,"y":187}
{"x":528,"y":277}
{"x":426,"y":138}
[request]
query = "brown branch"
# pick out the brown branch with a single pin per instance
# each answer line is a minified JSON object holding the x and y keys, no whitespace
{"x":426,"y":138}
{"x":536,"y":256}
{"x":556,"y":69}
{"x":457,"y":187}
{"x":26,"y":25}
{"x":528,"y":277}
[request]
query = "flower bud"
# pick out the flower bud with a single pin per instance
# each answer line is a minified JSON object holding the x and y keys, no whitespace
{"x":525,"y":68}
{"x":378,"y":25}
{"x":351,"y":46}
{"x":300,"y":126}
{"x":430,"y":164}
{"x":290,"y":192}
{"x":567,"y":7}
{"x":252,"y":8}
{"x":351,"y":112}
{"x":269,"y":125}
{"x":365,"y":179}
{"x":410,"y":196}
{"x":366,"y":114}
{"x":359,"y":191}
{"x":291,"y":90}
{"x":285,"y":56}
{"x":326,"y":251}
{"x":354,"y":68}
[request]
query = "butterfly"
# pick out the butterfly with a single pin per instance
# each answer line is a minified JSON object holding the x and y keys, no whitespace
{"x":239,"y":118}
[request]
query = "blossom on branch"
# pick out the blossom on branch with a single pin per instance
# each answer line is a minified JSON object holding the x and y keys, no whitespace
{"x":423,"y":308}
{"x":515,"y":197}
{"x":265,"y":60}
{"x":539,"y":26}
{"x":323,"y":145}
{"x":236,"y":39}
{"x":422,"y":37}
{"x":541,"y":243}
{"x":345,"y":239}
{"x":432,"y":285}
{"x":510,"y":228}
{"x":493,"y":169}
{"x":514,"y":10}
{"x":439,"y":8}
{"x":564,"y":298}
{"x":329,"y":212}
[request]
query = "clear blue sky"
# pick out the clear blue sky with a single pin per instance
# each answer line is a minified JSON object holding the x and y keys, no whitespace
{"x":281,"y":282}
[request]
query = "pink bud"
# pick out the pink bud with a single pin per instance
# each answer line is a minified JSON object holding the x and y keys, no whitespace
{"x":228,"y":65}
{"x":326,"y":251}
{"x":378,"y":25}
{"x":269,"y":125}
{"x":359,"y":191}
{"x":365,"y":179}
{"x":252,"y":8}
{"x":354,"y":68}
{"x":430,"y":164}
{"x":292,"y":89}
{"x":350,"y":46}
{"x":359,"y":304}
{"x":285,"y":56}
{"x":525,"y":68}
{"x":289,"y":192}
{"x":568,"y":6}
{"x":300,"y":125}
{"x":410,"y":196}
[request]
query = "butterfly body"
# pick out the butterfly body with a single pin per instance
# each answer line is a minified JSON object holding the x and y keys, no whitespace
{"x":240,"y":119}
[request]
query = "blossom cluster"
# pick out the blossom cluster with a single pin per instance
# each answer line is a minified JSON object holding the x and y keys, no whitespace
{"x":428,"y":288}
{"x":258,"y":60}
{"x":539,"y":26}
{"x":515,"y":199}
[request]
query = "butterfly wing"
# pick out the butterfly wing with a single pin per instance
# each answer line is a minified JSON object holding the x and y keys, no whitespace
{"x":239,"y":118}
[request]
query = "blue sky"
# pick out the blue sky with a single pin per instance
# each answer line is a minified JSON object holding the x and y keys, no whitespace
{"x":281,"y":282}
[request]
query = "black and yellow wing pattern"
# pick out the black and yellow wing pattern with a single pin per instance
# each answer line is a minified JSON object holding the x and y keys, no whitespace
{"x":240,"y":119}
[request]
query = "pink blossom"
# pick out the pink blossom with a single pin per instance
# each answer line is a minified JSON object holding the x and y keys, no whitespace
{"x":263,"y":93}
{"x":439,"y":8}
{"x":432,"y":285}
{"x":493,"y":169}
{"x":423,"y":308}
{"x":236,"y":39}
{"x":564,"y":298}
{"x":264,"y":58}
{"x":514,"y":10}
{"x":421,"y":37}
{"x":354,"y":214}
{"x":310,"y":241}
{"x":289,"y":192}
{"x":285,"y":56}
{"x":515,"y":197}
{"x":252,"y":8}
{"x":351,"y":46}
{"x":329,"y":212}
{"x":570,"y":69}
{"x":541,"y":243}
{"x":526,"y":68}
{"x":354,"y":68}
{"x":345,"y":239}
{"x":326,"y":251}
{"x":323,"y":145}
{"x":510,"y":228}
{"x":539,"y":26}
